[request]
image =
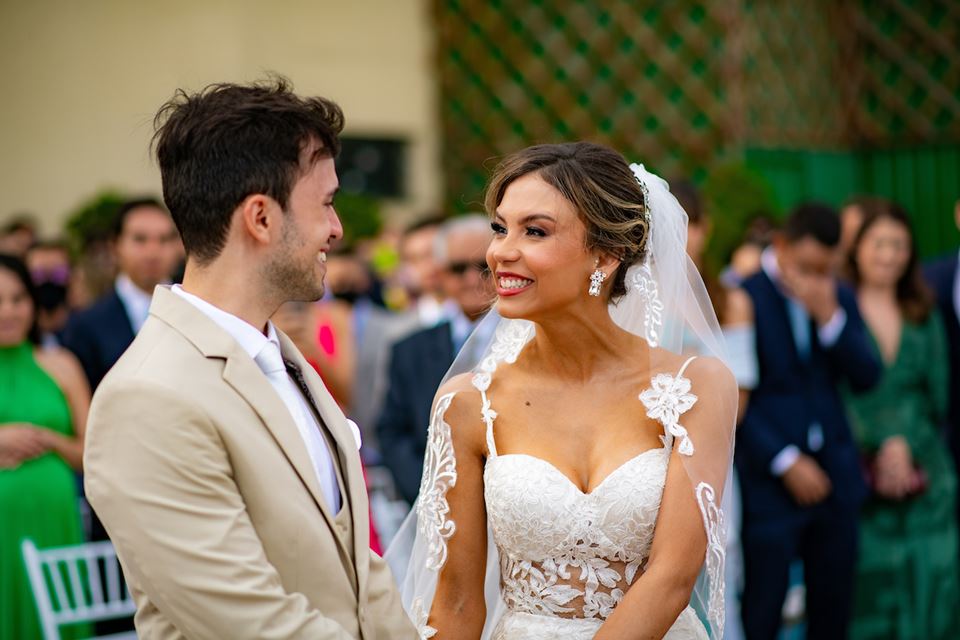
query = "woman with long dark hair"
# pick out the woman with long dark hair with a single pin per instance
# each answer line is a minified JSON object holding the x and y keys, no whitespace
{"x":907,"y":580}
{"x":44,"y":400}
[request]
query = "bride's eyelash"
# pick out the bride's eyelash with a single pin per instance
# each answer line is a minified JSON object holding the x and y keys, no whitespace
{"x":499,"y":229}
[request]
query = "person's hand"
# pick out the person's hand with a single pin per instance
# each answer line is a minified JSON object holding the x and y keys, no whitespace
{"x":807,"y":482}
{"x":817,"y":294}
{"x":894,"y":468}
{"x":20,"y":442}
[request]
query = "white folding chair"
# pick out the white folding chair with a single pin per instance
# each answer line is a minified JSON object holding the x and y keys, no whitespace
{"x":81,"y":598}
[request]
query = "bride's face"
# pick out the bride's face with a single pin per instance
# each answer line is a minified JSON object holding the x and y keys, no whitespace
{"x":538,"y":254}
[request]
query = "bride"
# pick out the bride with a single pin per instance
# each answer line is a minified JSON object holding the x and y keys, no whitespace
{"x":573,"y":476}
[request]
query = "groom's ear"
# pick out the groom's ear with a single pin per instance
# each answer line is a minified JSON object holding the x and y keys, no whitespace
{"x":258,"y":218}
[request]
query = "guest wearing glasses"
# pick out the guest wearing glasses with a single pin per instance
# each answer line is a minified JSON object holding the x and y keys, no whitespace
{"x":419,"y":362}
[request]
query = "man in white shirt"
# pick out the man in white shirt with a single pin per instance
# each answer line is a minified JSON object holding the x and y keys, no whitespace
{"x":147,"y":248}
{"x":229,"y":480}
{"x":798,"y":466}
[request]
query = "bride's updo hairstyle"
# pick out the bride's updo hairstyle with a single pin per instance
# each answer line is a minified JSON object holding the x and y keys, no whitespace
{"x":597,"y":181}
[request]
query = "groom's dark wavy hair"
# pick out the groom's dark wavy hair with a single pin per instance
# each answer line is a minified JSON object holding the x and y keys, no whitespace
{"x":226,"y":142}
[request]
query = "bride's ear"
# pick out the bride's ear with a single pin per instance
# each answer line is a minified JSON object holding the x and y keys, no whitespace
{"x":607,"y":263}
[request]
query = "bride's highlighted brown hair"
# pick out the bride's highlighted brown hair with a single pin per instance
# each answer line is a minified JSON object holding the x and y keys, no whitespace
{"x":598,"y":182}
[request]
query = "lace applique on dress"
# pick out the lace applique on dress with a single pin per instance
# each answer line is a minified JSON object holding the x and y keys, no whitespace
{"x":565,"y":553}
{"x":667,"y":398}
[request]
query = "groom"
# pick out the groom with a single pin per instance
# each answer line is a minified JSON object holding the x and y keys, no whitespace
{"x":223,"y":470}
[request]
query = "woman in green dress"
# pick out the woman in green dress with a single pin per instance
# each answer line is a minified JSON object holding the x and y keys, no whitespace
{"x":44,"y":400}
{"x":908,"y":579}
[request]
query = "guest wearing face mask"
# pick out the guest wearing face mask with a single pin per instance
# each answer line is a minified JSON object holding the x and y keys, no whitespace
{"x":49,"y":266}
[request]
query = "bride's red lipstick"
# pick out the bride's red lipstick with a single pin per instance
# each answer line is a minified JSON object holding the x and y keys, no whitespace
{"x":511,"y":292}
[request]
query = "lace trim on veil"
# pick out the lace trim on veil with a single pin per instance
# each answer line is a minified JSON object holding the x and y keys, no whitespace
{"x":439,"y":475}
{"x":714,"y":525}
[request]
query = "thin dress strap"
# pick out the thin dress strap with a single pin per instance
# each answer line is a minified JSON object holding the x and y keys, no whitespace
{"x":685,"y":364}
{"x":488,"y":415}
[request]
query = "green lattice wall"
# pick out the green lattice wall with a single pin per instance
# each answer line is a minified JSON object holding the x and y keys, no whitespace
{"x":684,"y":84}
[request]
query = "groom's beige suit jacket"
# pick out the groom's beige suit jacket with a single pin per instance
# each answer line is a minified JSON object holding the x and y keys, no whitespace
{"x":203,"y":482}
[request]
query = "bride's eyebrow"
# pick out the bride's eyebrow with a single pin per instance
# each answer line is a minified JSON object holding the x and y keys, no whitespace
{"x":529,"y":218}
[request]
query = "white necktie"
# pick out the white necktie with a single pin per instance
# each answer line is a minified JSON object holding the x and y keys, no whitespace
{"x":271,"y":363}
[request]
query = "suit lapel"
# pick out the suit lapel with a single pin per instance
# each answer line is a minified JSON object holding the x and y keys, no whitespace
{"x":353,"y":488}
{"x":783,"y":318}
{"x":242,"y":373}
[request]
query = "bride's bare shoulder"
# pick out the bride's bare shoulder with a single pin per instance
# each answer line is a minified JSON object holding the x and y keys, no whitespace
{"x":461,"y":405}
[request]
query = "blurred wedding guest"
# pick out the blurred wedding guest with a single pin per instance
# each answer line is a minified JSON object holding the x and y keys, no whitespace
{"x":419,"y":273}
{"x":147,"y":249}
{"x":852,"y":215}
{"x":745,"y":260}
{"x":907,"y":568}
{"x":419,"y":361}
{"x":49,"y":266}
{"x":44,"y":400}
{"x":943,"y":275}
{"x":734,"y":311}
{"x":798,"y":465}
{"x":347,"y":338}
{"x":17,"y":235}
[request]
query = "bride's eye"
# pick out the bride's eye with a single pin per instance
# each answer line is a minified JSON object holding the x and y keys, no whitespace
{"x":498,"y":229}
{"x":536,"y":231}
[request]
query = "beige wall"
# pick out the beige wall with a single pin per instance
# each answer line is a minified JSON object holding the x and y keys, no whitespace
{"x":81,"y":81}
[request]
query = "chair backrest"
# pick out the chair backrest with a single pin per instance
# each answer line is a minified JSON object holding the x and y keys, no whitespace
{"x":77,"y":583}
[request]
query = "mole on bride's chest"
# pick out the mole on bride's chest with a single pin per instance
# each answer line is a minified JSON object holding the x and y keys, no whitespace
{"x":587,"y":424}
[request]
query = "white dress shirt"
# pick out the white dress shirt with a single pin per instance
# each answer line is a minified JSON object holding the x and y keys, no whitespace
{"x":828,"y":335}
{"x":135,"y":301}
{"x":256,"y":345}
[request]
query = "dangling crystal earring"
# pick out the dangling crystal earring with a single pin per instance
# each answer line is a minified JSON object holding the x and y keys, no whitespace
{"x":596,"y":279}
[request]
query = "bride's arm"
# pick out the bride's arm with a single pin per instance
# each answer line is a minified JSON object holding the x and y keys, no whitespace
{"x":662,"y":592}
{"x":458,"y":609}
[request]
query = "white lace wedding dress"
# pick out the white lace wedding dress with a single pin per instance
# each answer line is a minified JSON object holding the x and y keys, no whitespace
{"x":566,"y":557}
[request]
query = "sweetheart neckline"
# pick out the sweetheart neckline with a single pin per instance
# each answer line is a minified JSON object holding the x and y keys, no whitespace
{"x":567,"y":478}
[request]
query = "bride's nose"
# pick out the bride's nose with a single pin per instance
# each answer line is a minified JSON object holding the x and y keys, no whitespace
{"x":503,"y":250}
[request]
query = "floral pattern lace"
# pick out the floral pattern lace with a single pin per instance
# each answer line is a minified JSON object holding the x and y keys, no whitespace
{"x":566,"y":555}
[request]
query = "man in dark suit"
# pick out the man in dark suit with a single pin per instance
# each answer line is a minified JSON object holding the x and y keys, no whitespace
{"x":944,"y":277}
{"x":798,"y":465}
{"x":147,"y":249}
{"x":419,"y":362}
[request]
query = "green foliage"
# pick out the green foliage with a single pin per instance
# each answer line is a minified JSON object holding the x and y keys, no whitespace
{"x":92,"y":221}
{"x":734,"y":194}
{"x":360,"y":216}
